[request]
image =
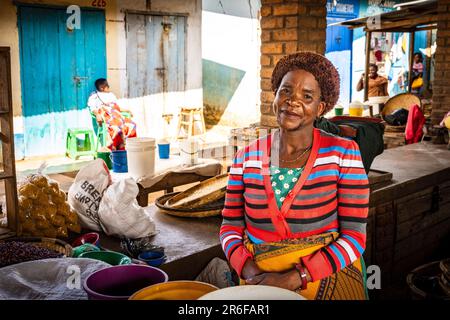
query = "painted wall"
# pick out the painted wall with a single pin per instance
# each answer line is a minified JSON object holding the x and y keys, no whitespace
{"x":116,"y":51}
{"x":231,"y":62}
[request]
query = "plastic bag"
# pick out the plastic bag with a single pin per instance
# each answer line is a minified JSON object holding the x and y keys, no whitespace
{"x":87,"y":191}
{"x":120,"y":214}
{"x":43,"y":207}
{"x":217,"y":273}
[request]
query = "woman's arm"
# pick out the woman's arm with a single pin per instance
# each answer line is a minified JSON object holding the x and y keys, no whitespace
{"x":353,"y":207}
{"x":233,"y":225}
{"x":360,"y":84}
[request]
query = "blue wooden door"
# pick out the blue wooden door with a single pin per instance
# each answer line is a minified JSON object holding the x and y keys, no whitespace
{"x":156,"y":69}
{"x":58,"y":69}
{"x":339,"y":52}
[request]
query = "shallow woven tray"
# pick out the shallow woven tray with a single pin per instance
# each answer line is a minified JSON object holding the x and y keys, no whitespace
{"x":205,"y":192}
{"x":444,"y":265}
{"x":208,"y":210}
{"x":389,"y":128}
{"x":48,"y":243}
{"x":402,"y":100}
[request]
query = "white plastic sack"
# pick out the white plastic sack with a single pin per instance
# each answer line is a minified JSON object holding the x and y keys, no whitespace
{"x":86,"y":192}
{"x":49,"y":279}
{"x":120,"y":214}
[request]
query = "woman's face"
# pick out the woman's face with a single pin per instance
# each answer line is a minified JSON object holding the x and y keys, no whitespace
{"x":298,"y":100}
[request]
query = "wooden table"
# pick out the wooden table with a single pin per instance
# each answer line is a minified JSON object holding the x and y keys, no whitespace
{"x":167,"y":183}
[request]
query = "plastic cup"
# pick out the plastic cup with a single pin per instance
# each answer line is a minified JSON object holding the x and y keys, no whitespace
{"x":164,"y":150}
{"x":339,"y":111}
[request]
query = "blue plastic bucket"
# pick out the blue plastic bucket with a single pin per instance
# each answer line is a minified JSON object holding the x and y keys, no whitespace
{"x":164,"y":150}
{"x":119,"y":161}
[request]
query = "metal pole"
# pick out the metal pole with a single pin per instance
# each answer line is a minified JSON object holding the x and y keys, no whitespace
{"x":366,"y":68}
{"x":411,"y":57}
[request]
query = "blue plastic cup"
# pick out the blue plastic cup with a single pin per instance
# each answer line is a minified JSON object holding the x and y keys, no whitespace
{"x":164,"y":150}
{"x":119,"y":161}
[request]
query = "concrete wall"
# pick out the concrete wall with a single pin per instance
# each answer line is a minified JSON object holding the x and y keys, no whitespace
{"x":230,"y":51}
{"x":115,"y":48}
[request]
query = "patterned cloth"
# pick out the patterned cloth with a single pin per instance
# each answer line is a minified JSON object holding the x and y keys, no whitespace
{"x":348,"y":283}
{"x":119,"y":127}
{"x":283,"y":181}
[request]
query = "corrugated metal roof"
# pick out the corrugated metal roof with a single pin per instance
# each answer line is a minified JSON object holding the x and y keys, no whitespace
{"x":411,"y":16}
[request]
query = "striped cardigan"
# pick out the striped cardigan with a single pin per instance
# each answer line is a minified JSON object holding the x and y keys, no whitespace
{"x":332,"y":194}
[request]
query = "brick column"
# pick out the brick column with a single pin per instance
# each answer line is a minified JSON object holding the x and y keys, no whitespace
{"x":287,"y":26}
{"x":441,"y":82}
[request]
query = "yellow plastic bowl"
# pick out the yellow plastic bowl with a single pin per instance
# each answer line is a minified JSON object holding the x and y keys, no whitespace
{"x":174,"y":290}
{"x":355,"y":112}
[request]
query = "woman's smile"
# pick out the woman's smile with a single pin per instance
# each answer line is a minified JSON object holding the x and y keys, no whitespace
{"x":291,"y":115}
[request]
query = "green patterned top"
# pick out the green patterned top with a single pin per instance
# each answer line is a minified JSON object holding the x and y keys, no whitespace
{"x":283,"y":180}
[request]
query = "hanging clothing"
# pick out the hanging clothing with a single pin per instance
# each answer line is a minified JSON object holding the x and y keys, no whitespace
{"x":119,"y":128}
{"x":330,"y":195}
{"x":414,"y":125}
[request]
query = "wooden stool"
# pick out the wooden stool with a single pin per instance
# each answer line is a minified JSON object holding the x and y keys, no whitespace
{"x":187,"y":120}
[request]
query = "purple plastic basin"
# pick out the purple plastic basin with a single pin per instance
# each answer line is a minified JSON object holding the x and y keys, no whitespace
{"x":120,"y":282}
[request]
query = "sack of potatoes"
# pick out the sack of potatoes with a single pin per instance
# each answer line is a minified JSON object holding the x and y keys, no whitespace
{"x":43,"y":209}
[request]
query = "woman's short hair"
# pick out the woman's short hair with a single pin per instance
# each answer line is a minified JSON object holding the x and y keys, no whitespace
{"x":320,"y":67}
{"x":100,"y":83}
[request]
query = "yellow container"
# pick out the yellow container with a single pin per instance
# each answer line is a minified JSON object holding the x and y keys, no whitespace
{"x":447,"y":122}
{"x":174,"y":290}
{"x":355,"y":109}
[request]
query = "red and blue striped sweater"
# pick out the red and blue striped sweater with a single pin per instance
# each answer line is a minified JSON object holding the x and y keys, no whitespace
{"x":332,"y":194}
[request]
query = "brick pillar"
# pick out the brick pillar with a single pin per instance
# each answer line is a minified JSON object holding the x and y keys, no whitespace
{"x":441,"y":83}
{"x":287,"y":26}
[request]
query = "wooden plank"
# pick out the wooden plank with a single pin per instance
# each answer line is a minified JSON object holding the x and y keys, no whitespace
{"x":366,"y":67}
{"x":411,"y":57}
{"x":377,"y":176}
{"x":6,"y":125}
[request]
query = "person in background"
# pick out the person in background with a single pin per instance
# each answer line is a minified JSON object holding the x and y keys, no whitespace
{"x":103,"y":104}
{"x":297,"y":200}
{"x":377,"y":84}
{"x":417,"y":73}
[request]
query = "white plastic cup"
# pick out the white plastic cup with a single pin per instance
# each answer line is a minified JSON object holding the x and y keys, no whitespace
{"x":141,"y":157}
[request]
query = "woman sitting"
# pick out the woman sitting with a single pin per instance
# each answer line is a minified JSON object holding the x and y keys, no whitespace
{"x":103,"y":104}
{"x":297,"y":200}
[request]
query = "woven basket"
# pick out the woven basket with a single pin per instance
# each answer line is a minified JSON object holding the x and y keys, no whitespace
{"x":201,"y":194}
{"x":207,"y":210}
{"x":47,"y":243}
{"x":402,"y":100}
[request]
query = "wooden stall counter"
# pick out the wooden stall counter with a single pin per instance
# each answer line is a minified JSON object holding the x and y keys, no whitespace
{"x":189,"y":243}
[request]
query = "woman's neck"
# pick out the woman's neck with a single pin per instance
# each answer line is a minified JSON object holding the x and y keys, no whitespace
{"x":291,"y":142}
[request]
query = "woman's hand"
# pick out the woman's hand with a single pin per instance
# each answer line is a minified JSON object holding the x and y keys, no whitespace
{"x":288,"y":280}
{"x":250,"y":270}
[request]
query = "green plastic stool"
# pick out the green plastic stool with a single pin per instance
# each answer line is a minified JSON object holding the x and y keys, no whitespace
{"x":73,"y":148}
